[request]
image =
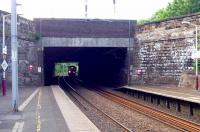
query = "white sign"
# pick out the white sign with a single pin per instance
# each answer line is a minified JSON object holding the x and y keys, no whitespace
{"x":4,"y":65}
{"x":14,"y":56}
{"x":195,"y":55}
{"x":39,"y":69}
{"x":5,"y":50}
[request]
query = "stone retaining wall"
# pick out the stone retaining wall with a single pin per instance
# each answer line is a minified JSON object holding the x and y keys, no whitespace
{"x":164,"y":50}
{"x":27,"y":51}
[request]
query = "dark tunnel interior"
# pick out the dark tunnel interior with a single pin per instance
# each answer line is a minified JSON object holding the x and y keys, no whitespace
{"x":102,"y":66}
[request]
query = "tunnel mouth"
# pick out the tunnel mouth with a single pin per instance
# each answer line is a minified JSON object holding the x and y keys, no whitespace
{"x":105,"y":66}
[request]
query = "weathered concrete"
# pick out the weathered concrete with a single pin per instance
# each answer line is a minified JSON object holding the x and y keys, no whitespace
{"x":85,"y":42}
{"x":85,"y":28}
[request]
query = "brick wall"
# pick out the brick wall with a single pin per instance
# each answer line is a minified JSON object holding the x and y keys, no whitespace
{"x":164,"y":49}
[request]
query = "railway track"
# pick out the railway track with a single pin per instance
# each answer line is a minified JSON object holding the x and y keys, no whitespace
{"x":125,"y":129}
{"x":176,"y":122}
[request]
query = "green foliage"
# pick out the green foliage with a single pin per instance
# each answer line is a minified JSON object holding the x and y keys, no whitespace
{"x":194,"y":65}
{"x":61,"y":69}
{"x":174,"y":9}
{"x":35,"y":35}
{"x":144,"y":21}
{"x":194,"y":62}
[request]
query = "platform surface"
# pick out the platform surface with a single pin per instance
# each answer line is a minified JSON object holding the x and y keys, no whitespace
{"x":43,"y":109}
{"x":75,"y":119}
{"x":190,"y":95}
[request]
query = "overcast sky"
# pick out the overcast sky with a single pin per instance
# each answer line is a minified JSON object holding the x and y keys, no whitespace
{"x":125,"y":9}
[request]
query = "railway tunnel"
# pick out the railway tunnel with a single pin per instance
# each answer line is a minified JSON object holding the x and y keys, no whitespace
{"x":101,"y":48}
{"x":106,"y":66}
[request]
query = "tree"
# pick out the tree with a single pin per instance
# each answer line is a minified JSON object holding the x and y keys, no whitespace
{"x":174,"y":9}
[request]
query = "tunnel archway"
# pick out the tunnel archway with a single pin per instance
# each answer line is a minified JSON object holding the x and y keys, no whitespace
{"x":104,"y":66}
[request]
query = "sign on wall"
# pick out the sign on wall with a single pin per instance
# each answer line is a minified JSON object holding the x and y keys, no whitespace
{"x":39,"y":69}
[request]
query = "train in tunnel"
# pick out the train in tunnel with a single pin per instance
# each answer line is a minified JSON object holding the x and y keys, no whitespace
{"x":69,"y":69}
{"x":72,"y":71}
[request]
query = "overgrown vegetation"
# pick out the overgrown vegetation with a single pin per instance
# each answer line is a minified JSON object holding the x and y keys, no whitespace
{"x":174,"y":9}
{"x":198,"y":62}
{"x":35,"y":36}
{"x":61,"y":69}
{"x":194,"y":65}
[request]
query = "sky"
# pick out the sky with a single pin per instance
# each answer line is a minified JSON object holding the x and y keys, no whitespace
{"x":101,"y":9}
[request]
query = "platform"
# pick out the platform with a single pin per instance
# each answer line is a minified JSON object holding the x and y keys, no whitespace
{"x":74,"y":118}
{"x":43,"y":109}
{"x":190,"y":95}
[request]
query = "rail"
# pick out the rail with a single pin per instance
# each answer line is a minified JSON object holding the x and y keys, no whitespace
{"x":174,"y":121}
{"x":73,"y":89}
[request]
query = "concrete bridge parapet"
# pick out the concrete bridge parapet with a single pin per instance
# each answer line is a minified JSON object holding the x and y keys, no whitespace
{"x":85,"y":42}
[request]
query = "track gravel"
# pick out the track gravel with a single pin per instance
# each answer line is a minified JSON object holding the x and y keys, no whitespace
{"x":132,"y":119}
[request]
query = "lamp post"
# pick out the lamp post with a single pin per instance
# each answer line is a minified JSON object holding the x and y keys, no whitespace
{"x":196,"y":43}
{"x":4,"y":53}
